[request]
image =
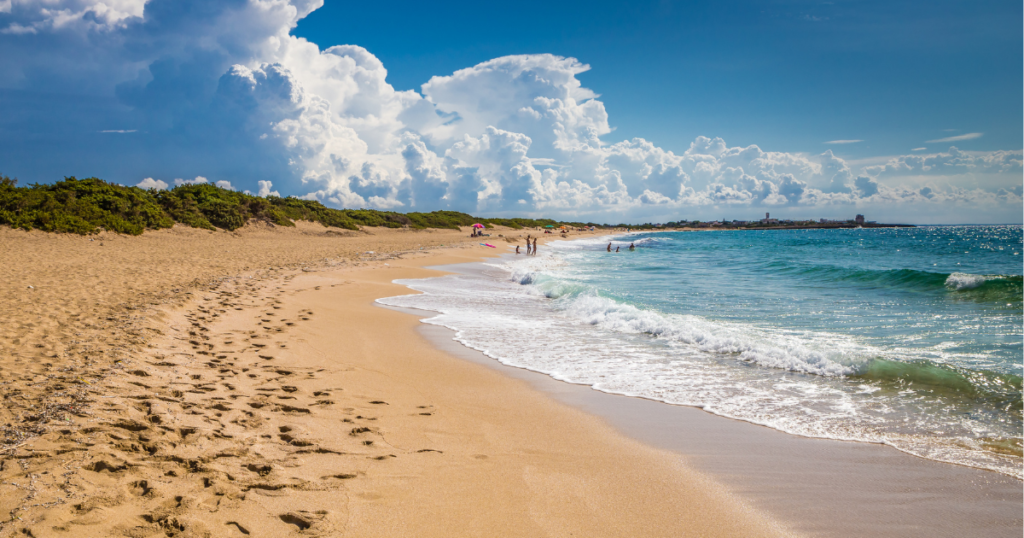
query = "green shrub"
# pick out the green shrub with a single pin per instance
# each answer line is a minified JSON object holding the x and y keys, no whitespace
{"x":80,"y":206}
{"x":83,"y":206}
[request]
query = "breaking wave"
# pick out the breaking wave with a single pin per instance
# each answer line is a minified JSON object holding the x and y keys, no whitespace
{"x":985,"y":287}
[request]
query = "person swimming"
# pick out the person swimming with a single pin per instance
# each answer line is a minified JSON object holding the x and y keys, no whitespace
{"x":616,"y":249}
{"x":631,"y":247}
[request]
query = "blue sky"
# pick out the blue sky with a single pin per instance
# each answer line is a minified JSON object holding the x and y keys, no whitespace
{"x":788,"y":76}
{"x":599,"y":110}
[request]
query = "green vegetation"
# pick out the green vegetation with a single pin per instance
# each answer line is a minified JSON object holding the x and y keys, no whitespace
{"x":84,"y":206}
{"x":80,"y":207}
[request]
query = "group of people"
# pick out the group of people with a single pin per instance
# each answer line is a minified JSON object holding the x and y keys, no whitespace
{"x":631,"y":247}
{"x":531,"y":248}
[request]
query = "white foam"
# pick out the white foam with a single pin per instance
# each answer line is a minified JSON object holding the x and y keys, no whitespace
{"x":966,"y":281}
{"x":756,"y":346}
{"x":738,"y":371}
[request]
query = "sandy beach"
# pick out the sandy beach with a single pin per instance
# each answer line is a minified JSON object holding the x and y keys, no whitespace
{"x":194,"y":383}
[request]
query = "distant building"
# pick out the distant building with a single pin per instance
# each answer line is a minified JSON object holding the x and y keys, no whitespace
{"x":768,"y":220}
{"x":859,"y":219}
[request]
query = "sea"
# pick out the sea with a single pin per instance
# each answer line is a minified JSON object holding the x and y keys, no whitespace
{"x":910,"y":337}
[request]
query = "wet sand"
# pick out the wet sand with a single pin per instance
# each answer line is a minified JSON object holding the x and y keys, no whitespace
{"x":819,"y":487}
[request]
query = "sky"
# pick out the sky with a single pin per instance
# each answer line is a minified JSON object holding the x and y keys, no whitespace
{"x":603,"y":111}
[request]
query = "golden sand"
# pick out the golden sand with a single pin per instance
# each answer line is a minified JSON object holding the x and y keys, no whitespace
{"x":194,"y":383}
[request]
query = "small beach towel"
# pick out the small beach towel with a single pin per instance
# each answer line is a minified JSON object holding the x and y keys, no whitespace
{"x":488,"y":245}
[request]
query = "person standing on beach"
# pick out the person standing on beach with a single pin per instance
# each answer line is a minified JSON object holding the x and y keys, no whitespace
{"x":517,"y":249}
{"x":529,"y":247}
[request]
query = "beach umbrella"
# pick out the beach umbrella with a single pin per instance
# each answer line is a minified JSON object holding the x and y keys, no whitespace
{"x":478,"y":225}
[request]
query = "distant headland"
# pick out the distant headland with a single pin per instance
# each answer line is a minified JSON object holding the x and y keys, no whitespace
{"x":768,"y":223}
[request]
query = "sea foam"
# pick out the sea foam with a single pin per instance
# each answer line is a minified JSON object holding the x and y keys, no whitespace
{"x":966,"y":281}
{"x":548,"y":313}
{"x":759,"y":347}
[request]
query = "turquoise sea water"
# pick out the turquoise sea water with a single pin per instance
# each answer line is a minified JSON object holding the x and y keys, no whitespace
{"x":910,"y":337}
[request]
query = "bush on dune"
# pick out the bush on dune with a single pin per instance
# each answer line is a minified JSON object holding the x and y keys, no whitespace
{"x":80,"y":206}
{"x":84,"y":206}
{"x":211,"y":207}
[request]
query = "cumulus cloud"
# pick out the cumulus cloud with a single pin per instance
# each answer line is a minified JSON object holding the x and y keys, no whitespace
{"x":952,"y":161}
{"x":265,"y":191}
{"x":221,"y":88}
{"x":150,"y":183}
{"x":199,"y":180}
{"x":36,"y":16}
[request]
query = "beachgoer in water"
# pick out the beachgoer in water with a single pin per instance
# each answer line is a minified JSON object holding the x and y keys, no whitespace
{"x":535,"y":246}
{"x":529,"y":247}
{"x":609,"y":247}
{"x":616,"y":249}
{"x":517,"y":249}
{"x":631,"y":247}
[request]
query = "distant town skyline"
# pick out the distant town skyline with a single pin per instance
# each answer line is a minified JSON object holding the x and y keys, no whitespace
{"x":607,"y":111}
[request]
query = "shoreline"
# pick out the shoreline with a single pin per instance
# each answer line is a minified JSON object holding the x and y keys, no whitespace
{"x":479,"y":303}
{"x":193,"y":383}
{"x":284,"y":401}
{"x":818,"y":486}
{"x":779,"y":483}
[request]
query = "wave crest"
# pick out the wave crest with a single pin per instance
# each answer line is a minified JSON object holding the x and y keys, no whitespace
{"x":758,"y":347}
{"x":967,"y":281}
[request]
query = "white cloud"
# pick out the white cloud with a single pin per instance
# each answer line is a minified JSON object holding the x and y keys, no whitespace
{"x":953,"y":161}
{"x":224,"y":185}
{"x":150,"y":183}
{"x":222,"y":87}
{"x":120,"y":131}
{"x":919,"y":149}
{"x":199,"y":180}
{"x":957,"y":138}
{"x":79,"y":15}
{"x":265,"y":191}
